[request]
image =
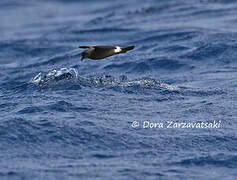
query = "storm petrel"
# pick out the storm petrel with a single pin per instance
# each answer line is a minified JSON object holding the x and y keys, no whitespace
{"x":101,"y":52}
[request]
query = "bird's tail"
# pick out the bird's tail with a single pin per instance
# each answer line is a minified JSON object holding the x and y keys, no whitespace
{"x":125,"y":49}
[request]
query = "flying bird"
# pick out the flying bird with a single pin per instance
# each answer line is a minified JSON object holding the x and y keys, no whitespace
{"x":101,"y":52}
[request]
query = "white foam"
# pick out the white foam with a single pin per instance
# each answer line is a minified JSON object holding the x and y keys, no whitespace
{"x":52,"y":75}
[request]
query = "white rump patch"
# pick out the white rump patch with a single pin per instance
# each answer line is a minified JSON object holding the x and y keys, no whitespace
{"x":117,"y":49}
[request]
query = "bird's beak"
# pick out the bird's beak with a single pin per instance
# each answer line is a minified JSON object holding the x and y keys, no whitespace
{"x":82,"y":58}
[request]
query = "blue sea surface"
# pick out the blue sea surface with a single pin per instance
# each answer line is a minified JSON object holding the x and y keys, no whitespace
{"x":61,"y":118}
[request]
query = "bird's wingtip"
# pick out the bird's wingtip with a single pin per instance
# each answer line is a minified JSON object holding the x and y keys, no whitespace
{"x":84,"y":46}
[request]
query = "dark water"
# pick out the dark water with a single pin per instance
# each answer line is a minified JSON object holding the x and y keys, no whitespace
{"x":63,"y":119}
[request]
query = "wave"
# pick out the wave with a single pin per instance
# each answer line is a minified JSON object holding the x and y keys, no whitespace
{"x":68,"y":78}
{"x":148,"y":65}
{"x":218,"y":160}
{"x":159,"y":36}
{"x":59,"y":106}
{"x":70,"y":75}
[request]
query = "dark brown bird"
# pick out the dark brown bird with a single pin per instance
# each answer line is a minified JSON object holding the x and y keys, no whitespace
{"x":101,"y":52}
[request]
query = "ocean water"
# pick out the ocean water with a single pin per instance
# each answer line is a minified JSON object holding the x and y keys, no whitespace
{"x":61,"y":118}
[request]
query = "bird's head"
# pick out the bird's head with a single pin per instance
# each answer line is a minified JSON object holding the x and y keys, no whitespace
{"x":84,"y":55}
